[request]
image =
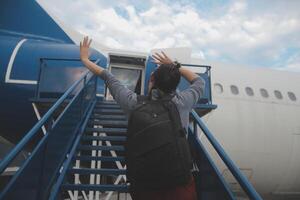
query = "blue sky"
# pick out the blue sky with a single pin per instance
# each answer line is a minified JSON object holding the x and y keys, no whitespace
{"x":258,"y":33}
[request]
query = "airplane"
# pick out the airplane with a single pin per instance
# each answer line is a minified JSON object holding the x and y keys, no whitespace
{"x":256,"y":120}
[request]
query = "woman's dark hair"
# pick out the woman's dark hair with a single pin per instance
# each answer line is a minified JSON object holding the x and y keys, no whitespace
{"x":166,"y":77}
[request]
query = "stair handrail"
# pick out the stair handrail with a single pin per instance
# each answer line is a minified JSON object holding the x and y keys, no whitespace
{"x":35,"y":129}
{"x":242,"y":180}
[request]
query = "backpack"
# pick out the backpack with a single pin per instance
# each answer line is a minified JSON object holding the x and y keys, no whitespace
{"x":157,"y":153}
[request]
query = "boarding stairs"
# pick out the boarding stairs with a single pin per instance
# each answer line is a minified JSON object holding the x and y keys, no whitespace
{"x":82,"y":154}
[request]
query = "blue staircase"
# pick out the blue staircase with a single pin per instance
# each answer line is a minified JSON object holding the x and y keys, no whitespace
{"x":82,"y":154}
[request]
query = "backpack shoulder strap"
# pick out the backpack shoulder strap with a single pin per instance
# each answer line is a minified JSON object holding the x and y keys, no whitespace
{"x":141,"y":100}
{"x":174,"y":114}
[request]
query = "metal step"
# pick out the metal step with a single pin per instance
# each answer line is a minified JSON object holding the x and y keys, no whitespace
{"x":100,"y":188}
{"x":107,"y":130}
{"x":108,"y":111}
{"x":101,"y":158}
{"x":108,"y":117}
{"x":110,"y":123}
{"x":108,"y":106}
{"x":101,"y":148}
{"x":104,"y":138}
{"x":101,"y":102}
{"x":85,"y":171}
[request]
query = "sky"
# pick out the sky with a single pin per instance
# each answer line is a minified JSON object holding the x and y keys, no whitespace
{"x":258,"y":33}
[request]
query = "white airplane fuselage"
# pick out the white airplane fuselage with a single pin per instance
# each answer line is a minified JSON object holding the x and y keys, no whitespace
{"x":261,"y":134}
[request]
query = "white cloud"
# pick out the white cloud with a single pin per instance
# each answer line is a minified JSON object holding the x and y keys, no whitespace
{"x":112,"y":43}
{"x":248,"y":32}
{"x":199,"y":55}
{"x":292,"y":64}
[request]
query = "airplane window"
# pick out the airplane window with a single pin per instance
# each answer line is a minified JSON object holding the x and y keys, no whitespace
{"x":249,"y":91}
{"x":234,"y":90}
{"x":218,"y":88}
{"x":264,"y":93}
{"x":278,"y":94}
{"x":292,"y":96}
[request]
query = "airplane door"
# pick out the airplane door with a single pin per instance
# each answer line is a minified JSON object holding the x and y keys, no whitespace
{"x":130,"y":72}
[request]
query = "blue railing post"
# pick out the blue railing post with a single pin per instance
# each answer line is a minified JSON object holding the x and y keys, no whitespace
{"x":82,"y":98}
{"x":49,"y":124}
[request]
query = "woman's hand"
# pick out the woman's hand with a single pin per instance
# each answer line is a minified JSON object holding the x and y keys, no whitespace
{"x":84,"y":49}
{"x":84,"y":56}
{"x":162,"y":58}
